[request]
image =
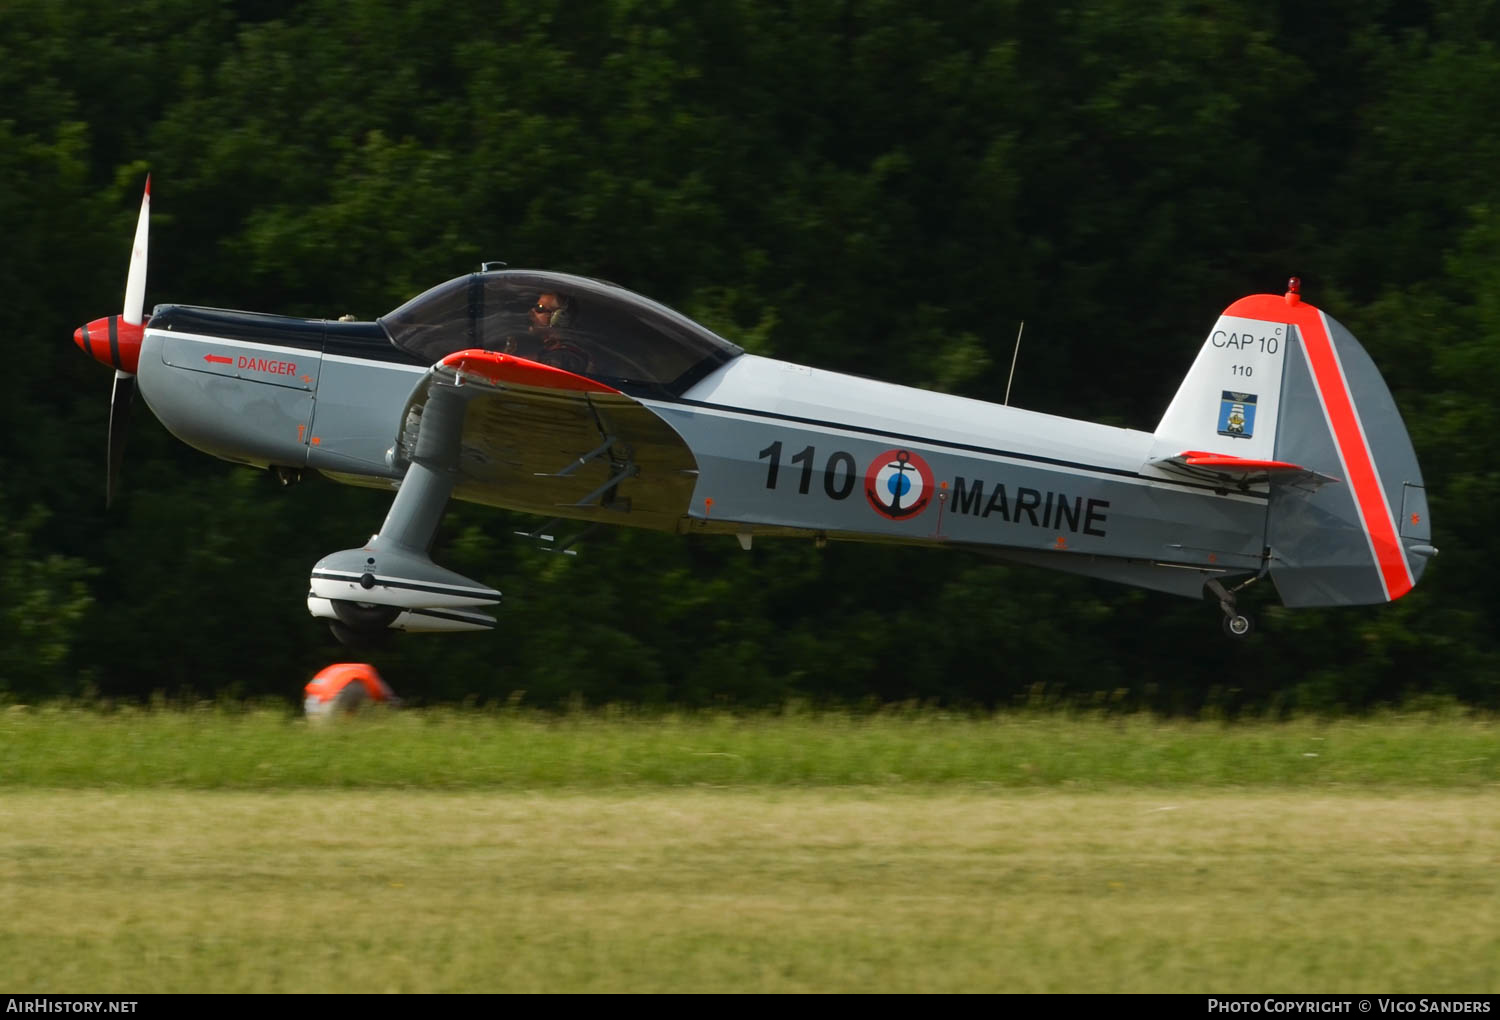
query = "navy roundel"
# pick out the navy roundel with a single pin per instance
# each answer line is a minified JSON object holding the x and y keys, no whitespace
{"x":899,"y":484}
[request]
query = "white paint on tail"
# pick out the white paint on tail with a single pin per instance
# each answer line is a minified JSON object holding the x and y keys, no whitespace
{"x":1230,"y":400}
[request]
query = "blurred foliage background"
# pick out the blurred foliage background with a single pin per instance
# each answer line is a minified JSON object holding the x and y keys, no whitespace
{"x":877,"y":187}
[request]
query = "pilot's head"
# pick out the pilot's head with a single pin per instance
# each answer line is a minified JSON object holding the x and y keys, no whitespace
{"x":548,"y":311}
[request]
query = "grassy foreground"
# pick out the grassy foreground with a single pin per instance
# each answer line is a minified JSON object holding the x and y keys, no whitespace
{"x":509,"y":749}
{"x":447,"y":851}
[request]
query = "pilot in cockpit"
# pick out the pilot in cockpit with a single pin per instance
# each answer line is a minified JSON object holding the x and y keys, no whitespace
{"x":551,"y":326}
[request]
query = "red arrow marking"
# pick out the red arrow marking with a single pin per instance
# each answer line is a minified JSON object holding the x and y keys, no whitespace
{"x":218,"y":360}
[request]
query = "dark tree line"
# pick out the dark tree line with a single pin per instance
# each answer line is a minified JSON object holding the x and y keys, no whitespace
{"x":876,"y":187}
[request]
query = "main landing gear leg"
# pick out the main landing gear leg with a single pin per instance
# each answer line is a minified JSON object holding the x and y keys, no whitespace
{"x":392,"y":583}
{"x":1236,"y":623}
{"x":400,"y":549}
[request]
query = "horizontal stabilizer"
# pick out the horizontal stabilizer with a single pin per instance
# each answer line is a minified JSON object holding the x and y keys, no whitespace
{"x":1242,"y":471}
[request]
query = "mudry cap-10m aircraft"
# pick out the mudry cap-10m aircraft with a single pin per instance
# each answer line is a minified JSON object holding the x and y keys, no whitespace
{"x":1282,"y":453}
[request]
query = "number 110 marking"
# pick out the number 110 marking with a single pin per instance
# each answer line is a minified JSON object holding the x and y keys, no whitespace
{"x":838,"y":472}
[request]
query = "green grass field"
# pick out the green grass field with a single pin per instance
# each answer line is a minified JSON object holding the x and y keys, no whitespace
{"x":212,"y":850}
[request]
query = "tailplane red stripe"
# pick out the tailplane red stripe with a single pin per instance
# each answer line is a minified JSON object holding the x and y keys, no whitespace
{"x":1354,"y":451}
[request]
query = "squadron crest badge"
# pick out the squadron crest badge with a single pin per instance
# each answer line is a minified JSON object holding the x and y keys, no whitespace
{"x":1237,"y":415}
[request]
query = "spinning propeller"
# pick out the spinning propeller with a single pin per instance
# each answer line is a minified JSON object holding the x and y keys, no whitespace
{"x":115,"y":340}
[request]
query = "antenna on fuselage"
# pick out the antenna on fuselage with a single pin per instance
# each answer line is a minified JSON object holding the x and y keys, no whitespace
{"x":1014,"y":354}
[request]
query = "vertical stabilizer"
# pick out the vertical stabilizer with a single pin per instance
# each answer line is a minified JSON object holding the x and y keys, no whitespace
{"x":1283,"y":385}
{"x":1312,"y":398}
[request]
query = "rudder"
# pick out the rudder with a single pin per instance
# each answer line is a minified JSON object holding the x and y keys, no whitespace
{"x":1367,"y":540}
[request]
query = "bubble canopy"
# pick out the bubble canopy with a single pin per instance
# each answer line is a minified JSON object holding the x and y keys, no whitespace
{"x":586,"y":326}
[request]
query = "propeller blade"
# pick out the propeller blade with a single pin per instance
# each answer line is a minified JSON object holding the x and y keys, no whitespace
{"x":135,"y":282}
{"x":119,"y":414}
{"x":123,"y":394}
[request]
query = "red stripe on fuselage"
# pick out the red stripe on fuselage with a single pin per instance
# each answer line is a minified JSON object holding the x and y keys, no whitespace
{"x":1348,"y":432}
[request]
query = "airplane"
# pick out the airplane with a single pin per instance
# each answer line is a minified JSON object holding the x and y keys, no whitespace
{"x":1282,"y":454}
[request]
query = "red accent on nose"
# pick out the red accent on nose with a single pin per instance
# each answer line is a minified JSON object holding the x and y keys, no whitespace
{"x":112,"y":341}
